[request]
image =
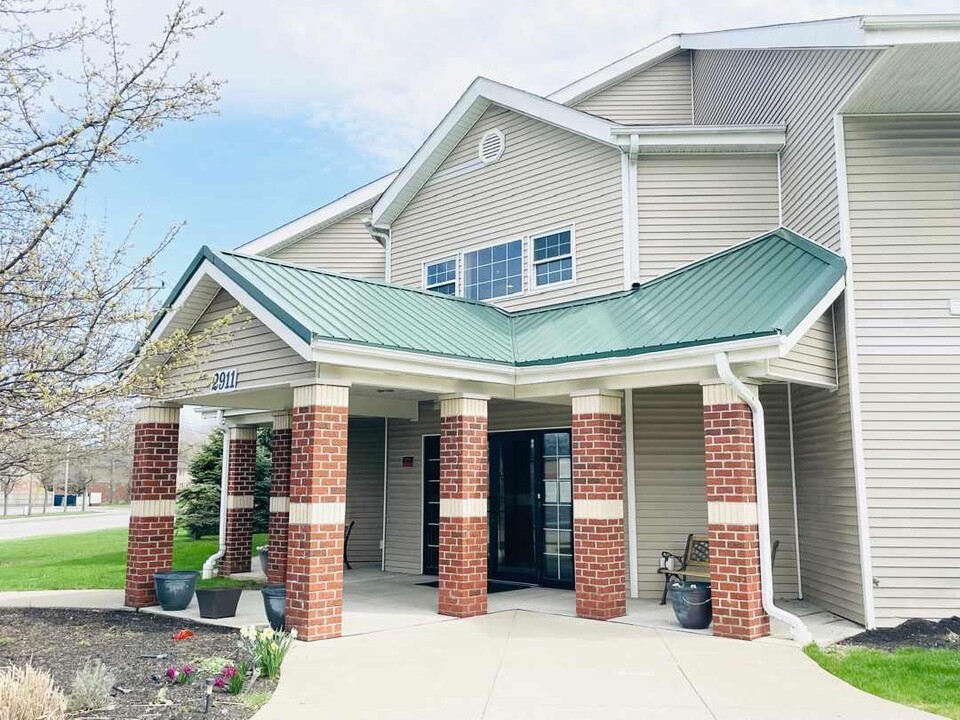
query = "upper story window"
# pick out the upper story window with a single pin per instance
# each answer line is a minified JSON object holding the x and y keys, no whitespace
{"x":552,"y":258}
{"x":494,"y":271}
{"x":441,"y":276}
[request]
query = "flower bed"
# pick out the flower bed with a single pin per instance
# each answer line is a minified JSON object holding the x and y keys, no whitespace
{"x":150,"y":674}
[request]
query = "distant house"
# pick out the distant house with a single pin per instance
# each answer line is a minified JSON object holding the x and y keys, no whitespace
{"x":713,"y":287}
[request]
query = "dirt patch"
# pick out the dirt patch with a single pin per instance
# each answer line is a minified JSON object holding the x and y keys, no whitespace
{"x":62,"y":641}
{"x":911,"y":633}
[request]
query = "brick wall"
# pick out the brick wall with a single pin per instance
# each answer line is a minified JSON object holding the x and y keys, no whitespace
{"x":153,"y":492}
{"x":241,"y":477}
{"x":279,"y":499}
{"x":599,"y":539}
{"x":732,"y":509}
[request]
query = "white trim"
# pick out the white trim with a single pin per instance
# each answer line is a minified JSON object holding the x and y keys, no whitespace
{"x":457,"y":123}
{"x":614,"y":72}
{"x":532,"y":265}
{"x":342,"y":207}
{"x":853,"y":379}
{"x":793,"y":491}
{"x":456,"y":273}
{"x":660,"y":139}
{"x":631,"y":481}
{"x":386,"y":477}
{"x":808,"y":321}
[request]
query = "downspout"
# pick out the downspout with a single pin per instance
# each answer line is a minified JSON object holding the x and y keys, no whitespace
{"x":382,"y":236}
{"x":224,"y":474}
{"x":798,"y":630}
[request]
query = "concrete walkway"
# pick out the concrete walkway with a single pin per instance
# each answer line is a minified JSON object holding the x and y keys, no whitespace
{"x":528,"y":666}
{"x":64,"y":523}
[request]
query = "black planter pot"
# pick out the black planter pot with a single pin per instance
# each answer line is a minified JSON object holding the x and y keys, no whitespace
{"x":263,"y":558}
{"x":692,"y":604}
{"x":218,"y":602}
{"x":275,"y":604}
{"x":175,"y":589}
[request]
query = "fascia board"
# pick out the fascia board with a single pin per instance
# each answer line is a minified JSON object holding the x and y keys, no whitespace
{"x":837,"y":32}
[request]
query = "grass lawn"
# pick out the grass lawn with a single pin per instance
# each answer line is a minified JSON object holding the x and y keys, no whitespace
{"x":925,"y":679}
{"x":93,"y":560}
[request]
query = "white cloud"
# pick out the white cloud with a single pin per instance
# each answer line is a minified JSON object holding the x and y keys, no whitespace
{"x":381,"y":73}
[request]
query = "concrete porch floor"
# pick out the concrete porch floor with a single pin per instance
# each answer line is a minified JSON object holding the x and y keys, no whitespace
{"x":375,"y":601}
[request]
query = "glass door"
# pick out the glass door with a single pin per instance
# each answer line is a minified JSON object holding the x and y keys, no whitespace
{"x":431,"y":505}
{"x":512,"y":507}
{"x":556,"y":502}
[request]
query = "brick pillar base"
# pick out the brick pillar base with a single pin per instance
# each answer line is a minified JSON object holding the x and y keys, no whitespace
{"x":279,"y":499}
{"x":732,"y":515}
{"x":318,"y":497}
{"x":153,"y":494}
{"x":599,"y":541}
{"x":241,"y":476}
{"x":464,"y":480}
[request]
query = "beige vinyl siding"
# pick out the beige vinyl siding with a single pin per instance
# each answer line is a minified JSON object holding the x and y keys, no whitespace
{"x":365,"y":488}
{"x":904,"y":188}
{"x":657,"y":95}
{"x":814,"y":358}
{"x":547,"y":179}
{"x":245,"y":344}
{"x":689,"y":206}
{"x":800,"y":88}
{"x":826,"y":492}
{"x":670,"y":487}
{"x":404,"y":485}
{"x":343,"y":247}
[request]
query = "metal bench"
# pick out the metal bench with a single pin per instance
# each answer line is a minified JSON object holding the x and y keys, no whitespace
{"x":695,"y":562}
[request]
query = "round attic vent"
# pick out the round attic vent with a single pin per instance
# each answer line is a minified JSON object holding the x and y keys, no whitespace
{"x":491,"y":146}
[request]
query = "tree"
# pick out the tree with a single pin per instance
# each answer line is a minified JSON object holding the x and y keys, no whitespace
{"x":73,"y":101}
{"x":198,"y":504}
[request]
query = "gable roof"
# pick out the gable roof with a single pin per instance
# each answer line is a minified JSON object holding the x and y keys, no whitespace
{"x":762,"y":288}
{"x":344,"y":206}
{"x":481,"y":94}
{"x":844,"y":32}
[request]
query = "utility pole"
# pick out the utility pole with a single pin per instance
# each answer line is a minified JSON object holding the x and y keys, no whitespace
{"x":66,"y":480}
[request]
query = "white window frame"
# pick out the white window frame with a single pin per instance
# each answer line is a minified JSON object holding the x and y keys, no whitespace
{"x":456,"y":274}
{"x":462,"y":266}
{"x":532,"y":269}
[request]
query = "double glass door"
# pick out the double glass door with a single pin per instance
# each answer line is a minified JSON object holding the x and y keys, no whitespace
{"x":530,"y":507}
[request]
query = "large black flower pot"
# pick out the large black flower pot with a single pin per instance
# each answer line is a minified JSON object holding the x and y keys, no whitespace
{"x":175,"y":589}
{"x":218,"y":602}
{"x":692,"y":604}
{"x":275,"y":604}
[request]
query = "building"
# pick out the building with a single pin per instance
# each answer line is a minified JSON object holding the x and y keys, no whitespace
{"x":709,"y":288}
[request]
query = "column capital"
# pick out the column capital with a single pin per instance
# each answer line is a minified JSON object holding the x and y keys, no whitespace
{"x":282,"y":420}
{"x":596,"y":401}
{"x":321,"y":394}
{"x":723,"y":394}
{"x":157,"y":412}
{"x":463,"y":404}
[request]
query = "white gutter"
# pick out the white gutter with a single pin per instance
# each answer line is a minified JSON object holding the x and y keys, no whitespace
{"x":798,"y":630}
{"x":224,"y":474}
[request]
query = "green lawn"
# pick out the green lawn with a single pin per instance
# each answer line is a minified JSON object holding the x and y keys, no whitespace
{"x":92,"y":560}
{"x":925,"y":679}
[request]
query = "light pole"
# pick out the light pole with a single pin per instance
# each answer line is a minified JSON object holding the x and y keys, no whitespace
{"x":66,"y":480}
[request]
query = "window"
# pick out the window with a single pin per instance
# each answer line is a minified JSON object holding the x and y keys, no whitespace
{"x":552,"y":258}
{"x":441,"y":276}
{"x":494,"y":271}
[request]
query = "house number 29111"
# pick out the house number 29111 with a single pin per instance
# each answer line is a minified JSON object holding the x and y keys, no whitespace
{"x":224,"y":380}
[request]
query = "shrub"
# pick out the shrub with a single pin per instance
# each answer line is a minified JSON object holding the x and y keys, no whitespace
{"x":91,"y":687}
{"x":267,"y":648}
{"x":28,"y":693}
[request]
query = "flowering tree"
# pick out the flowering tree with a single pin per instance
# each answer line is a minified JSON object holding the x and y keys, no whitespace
{"x":73,"y":100}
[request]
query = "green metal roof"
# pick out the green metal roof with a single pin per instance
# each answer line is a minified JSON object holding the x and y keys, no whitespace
{"x":763,"y":287}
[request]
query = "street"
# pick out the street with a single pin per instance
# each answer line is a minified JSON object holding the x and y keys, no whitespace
{"x":58,"y":523}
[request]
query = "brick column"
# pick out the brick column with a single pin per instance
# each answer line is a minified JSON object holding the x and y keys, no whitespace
{"x":464,"y":481}
{"x":598,"y":533}
{"x":241,"y":476}
{"x":279,"y":499}
{"x":318,"y":502}
{"x":732,"y":515}
{"x":153,"y":497}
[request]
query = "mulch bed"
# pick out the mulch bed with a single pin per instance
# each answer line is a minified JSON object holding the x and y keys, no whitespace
{"x":62,"y":641}
{"x":911,"y":633}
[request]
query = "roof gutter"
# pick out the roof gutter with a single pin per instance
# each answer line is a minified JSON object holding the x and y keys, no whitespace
{"x":798,"y":630}
{"x":659,"y":139}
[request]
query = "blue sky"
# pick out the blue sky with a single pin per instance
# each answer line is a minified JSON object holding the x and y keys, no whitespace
{"x":326,"y":95}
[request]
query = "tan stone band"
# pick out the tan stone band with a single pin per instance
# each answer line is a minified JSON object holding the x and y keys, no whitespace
{"x":153,"y":508}
{"x":596,"y":403}
{"x":732,"y":513}
{"x":158,"y":414}
{"x":318,"y":513}
{"x":463,"y":406}
{"x":597,"y":509}
{"x":239,"y":502}
{"x":279,"y":504}
{"x":463,"y":507}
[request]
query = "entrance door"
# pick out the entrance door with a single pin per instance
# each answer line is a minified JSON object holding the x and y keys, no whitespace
{"x":513,"y":507}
